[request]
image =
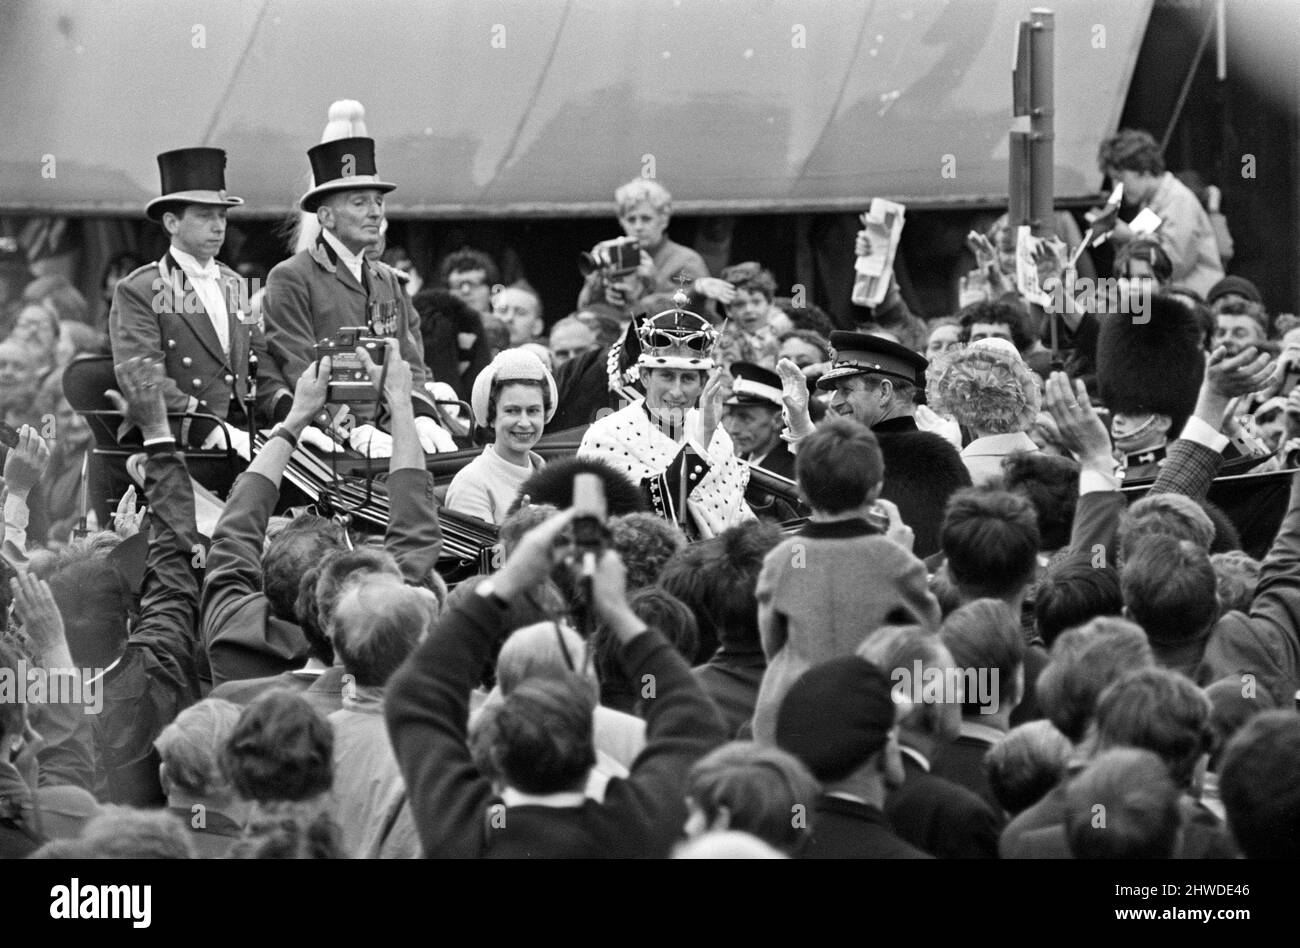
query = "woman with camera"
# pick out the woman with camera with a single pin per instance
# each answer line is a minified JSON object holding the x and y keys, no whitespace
{"x":645,"y":261}
{"x":515,"y":398}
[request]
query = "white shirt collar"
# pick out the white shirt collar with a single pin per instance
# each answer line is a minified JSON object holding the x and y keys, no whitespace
{"x":191,"y":265}
{"x":981,"y":732}
{"x":999,"y":444}
{"x":353,"y":260}
{"x":512,"y":797}
{"x":916,"y":755}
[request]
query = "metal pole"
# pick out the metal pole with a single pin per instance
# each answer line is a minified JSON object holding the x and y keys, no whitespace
{"x":1042,"y":110}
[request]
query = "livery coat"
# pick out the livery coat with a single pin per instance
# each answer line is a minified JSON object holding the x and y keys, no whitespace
{"x":922,"y":471}
{"x":312,"y":295}
{"x":157,"y":314}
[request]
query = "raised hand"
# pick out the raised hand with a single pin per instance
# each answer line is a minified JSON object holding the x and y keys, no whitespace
{"x":397,"y":382}
{"x":715,"y":391}
{"x":26,"y":461}
{"x":898,"y":531}
{"x":42,"y":620}
{"x":794,"y":387}
{"x":716,"y":289}
{"x":140,"y":400}
{"x":1248,"y":371}
{"x":1081,"y":428}
{"x":127,"y":519}
{"x":309,"y":395}
{"x":534,"y":557}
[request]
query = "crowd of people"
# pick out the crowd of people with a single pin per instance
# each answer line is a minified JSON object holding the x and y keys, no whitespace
{"x":957,"y":638}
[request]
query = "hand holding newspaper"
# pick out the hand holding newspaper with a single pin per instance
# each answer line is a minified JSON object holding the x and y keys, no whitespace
{"x":883,"y":225}
{"x":1038,"y":261}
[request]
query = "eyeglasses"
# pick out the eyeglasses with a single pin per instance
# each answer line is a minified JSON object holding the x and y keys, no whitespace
{"x":465,"y":286}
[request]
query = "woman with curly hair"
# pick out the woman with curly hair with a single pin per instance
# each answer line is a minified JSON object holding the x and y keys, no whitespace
{"x":988,"y":389}
{"x":515,"y":398}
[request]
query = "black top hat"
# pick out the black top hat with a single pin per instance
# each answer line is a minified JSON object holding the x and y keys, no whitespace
{"x":860,"y":353}
{"x":754,"y":385}
{"x":347,"y":164}
{"x":191,"y":176}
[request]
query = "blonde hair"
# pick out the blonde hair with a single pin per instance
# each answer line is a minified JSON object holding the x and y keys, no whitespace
{"x":643,"y":189}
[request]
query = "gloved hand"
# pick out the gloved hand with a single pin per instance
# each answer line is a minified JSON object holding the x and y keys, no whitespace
{"x":319,"y":440}
{"x":434,"y":439}
{"x":370,"y":441}
{"x":238,"y":440}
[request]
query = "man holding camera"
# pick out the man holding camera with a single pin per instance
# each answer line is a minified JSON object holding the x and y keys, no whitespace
{"x":680,"y":455}
{"x":334,"y":285}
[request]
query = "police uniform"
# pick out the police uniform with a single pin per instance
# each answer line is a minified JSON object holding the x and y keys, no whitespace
{"x":158,"y":313}
{"x":313,"y":294}
{"x":922,"y":470}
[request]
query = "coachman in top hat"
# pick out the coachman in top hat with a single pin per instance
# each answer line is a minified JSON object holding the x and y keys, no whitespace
{"x":334,"y":284}
{"x":188,"y":310}
{"x":879,"y":383}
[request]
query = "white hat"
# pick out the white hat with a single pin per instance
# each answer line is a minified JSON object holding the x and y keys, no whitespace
{"x":510,"y":365}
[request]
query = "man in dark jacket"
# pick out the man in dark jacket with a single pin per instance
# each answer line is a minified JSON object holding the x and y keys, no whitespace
{"x":540,"y":738}
{"x":932,"y":813}
{"x":838,"y":718}
{"x":879,"y":383}
{"x":150,"y":674}
{"x":249,"y":622}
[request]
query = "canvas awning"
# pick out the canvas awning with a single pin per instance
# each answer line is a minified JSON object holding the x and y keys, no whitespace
{"x":542,"y":107}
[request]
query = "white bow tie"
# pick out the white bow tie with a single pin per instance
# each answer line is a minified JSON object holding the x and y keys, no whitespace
{"x":210,"y":272}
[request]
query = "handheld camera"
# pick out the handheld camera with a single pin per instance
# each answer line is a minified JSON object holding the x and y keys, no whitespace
{"x":589,"y":534}
{"x":349,"y":381}
{"x":614,"y":259}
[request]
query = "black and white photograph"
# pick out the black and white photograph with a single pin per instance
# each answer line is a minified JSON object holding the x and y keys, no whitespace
{"x":650,"y":430}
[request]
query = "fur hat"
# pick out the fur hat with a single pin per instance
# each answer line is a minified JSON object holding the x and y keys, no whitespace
{"x":1152,"y":365}
{"x":510,"y":365}
{"x":986,"y":386}
{"x":553,"y":485}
